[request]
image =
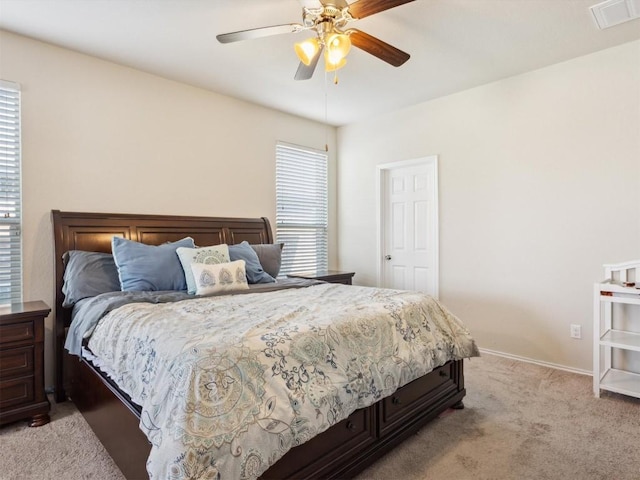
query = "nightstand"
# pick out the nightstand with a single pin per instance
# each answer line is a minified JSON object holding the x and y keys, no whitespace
{"x":331,"y":276}
{"x":22,"y":363}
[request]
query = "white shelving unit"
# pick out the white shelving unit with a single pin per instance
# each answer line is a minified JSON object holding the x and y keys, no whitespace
{"x":606,"y":338}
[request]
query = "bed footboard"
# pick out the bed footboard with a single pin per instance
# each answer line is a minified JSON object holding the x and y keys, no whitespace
{"x":343,"y":451}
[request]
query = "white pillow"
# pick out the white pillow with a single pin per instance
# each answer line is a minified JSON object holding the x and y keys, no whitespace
{"x":221,"y":277}
{"x":209,"y":255}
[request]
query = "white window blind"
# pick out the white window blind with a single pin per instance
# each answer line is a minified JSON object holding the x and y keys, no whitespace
{"x":301,"y":208}
{"x":10,"y":196}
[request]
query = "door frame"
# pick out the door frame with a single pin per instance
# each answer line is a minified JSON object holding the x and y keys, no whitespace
{"x":431,"y":161}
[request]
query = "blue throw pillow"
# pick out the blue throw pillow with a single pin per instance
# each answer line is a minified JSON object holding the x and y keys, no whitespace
{"x":144,"y":267}
{"x":254,"y":270}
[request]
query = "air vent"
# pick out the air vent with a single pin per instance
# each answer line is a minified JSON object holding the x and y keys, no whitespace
{"x":614,"y":12}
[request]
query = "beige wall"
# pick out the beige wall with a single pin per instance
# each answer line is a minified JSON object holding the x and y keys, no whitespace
{"x":539,"y":179}
{"x":101,"y":137}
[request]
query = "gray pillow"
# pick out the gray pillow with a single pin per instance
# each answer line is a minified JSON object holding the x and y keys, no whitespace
{"x":270,"y":257}
{"x":255,"y":272}
{"x":88,"y":274}
{"x":143,"y":267}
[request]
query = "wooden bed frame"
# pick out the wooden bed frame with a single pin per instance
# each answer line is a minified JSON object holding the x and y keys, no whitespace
{"x":340,"y":452}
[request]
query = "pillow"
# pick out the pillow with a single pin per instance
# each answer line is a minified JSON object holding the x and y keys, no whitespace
{"x":220,"y":277}
{"x":209,"y":255}
{"x":88,"y":274}
{"x":144,"y":267}
{"x":255,"y":272}
{"x":270,"y":257}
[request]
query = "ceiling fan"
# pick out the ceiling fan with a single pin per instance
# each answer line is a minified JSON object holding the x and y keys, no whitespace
{"x":329,"y":20}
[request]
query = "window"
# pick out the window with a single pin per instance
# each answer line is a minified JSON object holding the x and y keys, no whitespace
{"x":10,"y":196}
{"x":301,"y":208}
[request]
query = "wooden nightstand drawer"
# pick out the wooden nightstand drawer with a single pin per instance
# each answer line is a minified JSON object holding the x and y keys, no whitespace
{"x":16,"y":362}
{"x":16,"y":332}
{"x":16,"y":392}
{"x":22,"y":363}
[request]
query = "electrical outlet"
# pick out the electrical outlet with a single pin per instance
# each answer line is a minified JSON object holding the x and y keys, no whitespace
{"x":576,"y":331}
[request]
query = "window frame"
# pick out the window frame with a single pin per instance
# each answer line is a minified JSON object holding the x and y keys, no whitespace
{"x":302,"y":208}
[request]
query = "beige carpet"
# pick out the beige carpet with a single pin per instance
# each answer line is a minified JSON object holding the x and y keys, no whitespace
{"x":521,"y":422}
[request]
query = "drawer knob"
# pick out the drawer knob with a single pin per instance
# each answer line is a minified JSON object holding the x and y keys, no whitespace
{"x":443,"y":373}
{"x":351,"y":426}
{"x":396,"y":401}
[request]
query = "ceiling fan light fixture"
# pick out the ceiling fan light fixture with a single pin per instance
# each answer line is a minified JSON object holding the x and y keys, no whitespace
{"x":307,"y":50}
{"x":337,"y":47}
{"x":332,"y":67}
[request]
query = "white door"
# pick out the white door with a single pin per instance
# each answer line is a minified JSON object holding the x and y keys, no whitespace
{"x":409,"y":225}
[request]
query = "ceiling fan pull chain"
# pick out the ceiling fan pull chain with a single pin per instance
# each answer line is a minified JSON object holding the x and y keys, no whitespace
{"x":326,"y":109}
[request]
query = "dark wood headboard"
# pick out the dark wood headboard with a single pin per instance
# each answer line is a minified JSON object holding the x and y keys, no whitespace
{"x":93,"y":232}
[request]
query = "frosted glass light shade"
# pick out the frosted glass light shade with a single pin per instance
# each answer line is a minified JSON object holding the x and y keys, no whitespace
{"x":337,"y":48}
{"x":331,"y":67}
{"x":307,"y":49}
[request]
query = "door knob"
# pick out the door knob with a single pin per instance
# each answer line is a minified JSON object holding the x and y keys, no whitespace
{"x":387,"y":257}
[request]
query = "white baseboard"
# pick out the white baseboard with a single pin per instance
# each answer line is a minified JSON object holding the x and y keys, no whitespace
{"x":538,"y":362}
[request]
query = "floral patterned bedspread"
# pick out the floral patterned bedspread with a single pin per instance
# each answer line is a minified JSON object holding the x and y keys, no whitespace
{"x":229,"y":384}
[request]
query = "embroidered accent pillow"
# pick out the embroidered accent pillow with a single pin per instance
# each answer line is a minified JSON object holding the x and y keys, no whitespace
{"x":220,"y":277}
{"x":207,"y":255}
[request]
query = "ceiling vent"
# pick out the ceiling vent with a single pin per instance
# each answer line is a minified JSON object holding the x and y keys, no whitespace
{"x":614,"y":12}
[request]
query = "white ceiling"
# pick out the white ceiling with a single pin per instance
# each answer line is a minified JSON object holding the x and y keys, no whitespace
{"x":454,"y":45}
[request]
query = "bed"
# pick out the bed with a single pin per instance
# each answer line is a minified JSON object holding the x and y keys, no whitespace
{"x":342,"y":450}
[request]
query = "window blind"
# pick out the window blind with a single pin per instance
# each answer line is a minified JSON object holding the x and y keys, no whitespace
{"x":301,"y":208}
{"x":10,"y":194}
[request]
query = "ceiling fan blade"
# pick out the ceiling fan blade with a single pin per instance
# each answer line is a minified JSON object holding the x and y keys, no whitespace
{"x":305,"y":72}
{"x":364,"y":8}
{"x":258,"y":32}
{"x":378,"y":48}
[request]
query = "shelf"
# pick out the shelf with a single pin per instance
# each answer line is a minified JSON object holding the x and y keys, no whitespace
{"x":615,"y":287}
{"x":621,"y":298}
{"x":617,"y":293}
{"x":621,"y":339}
{"x":620,"y":381}
{"x":605,"y":345}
